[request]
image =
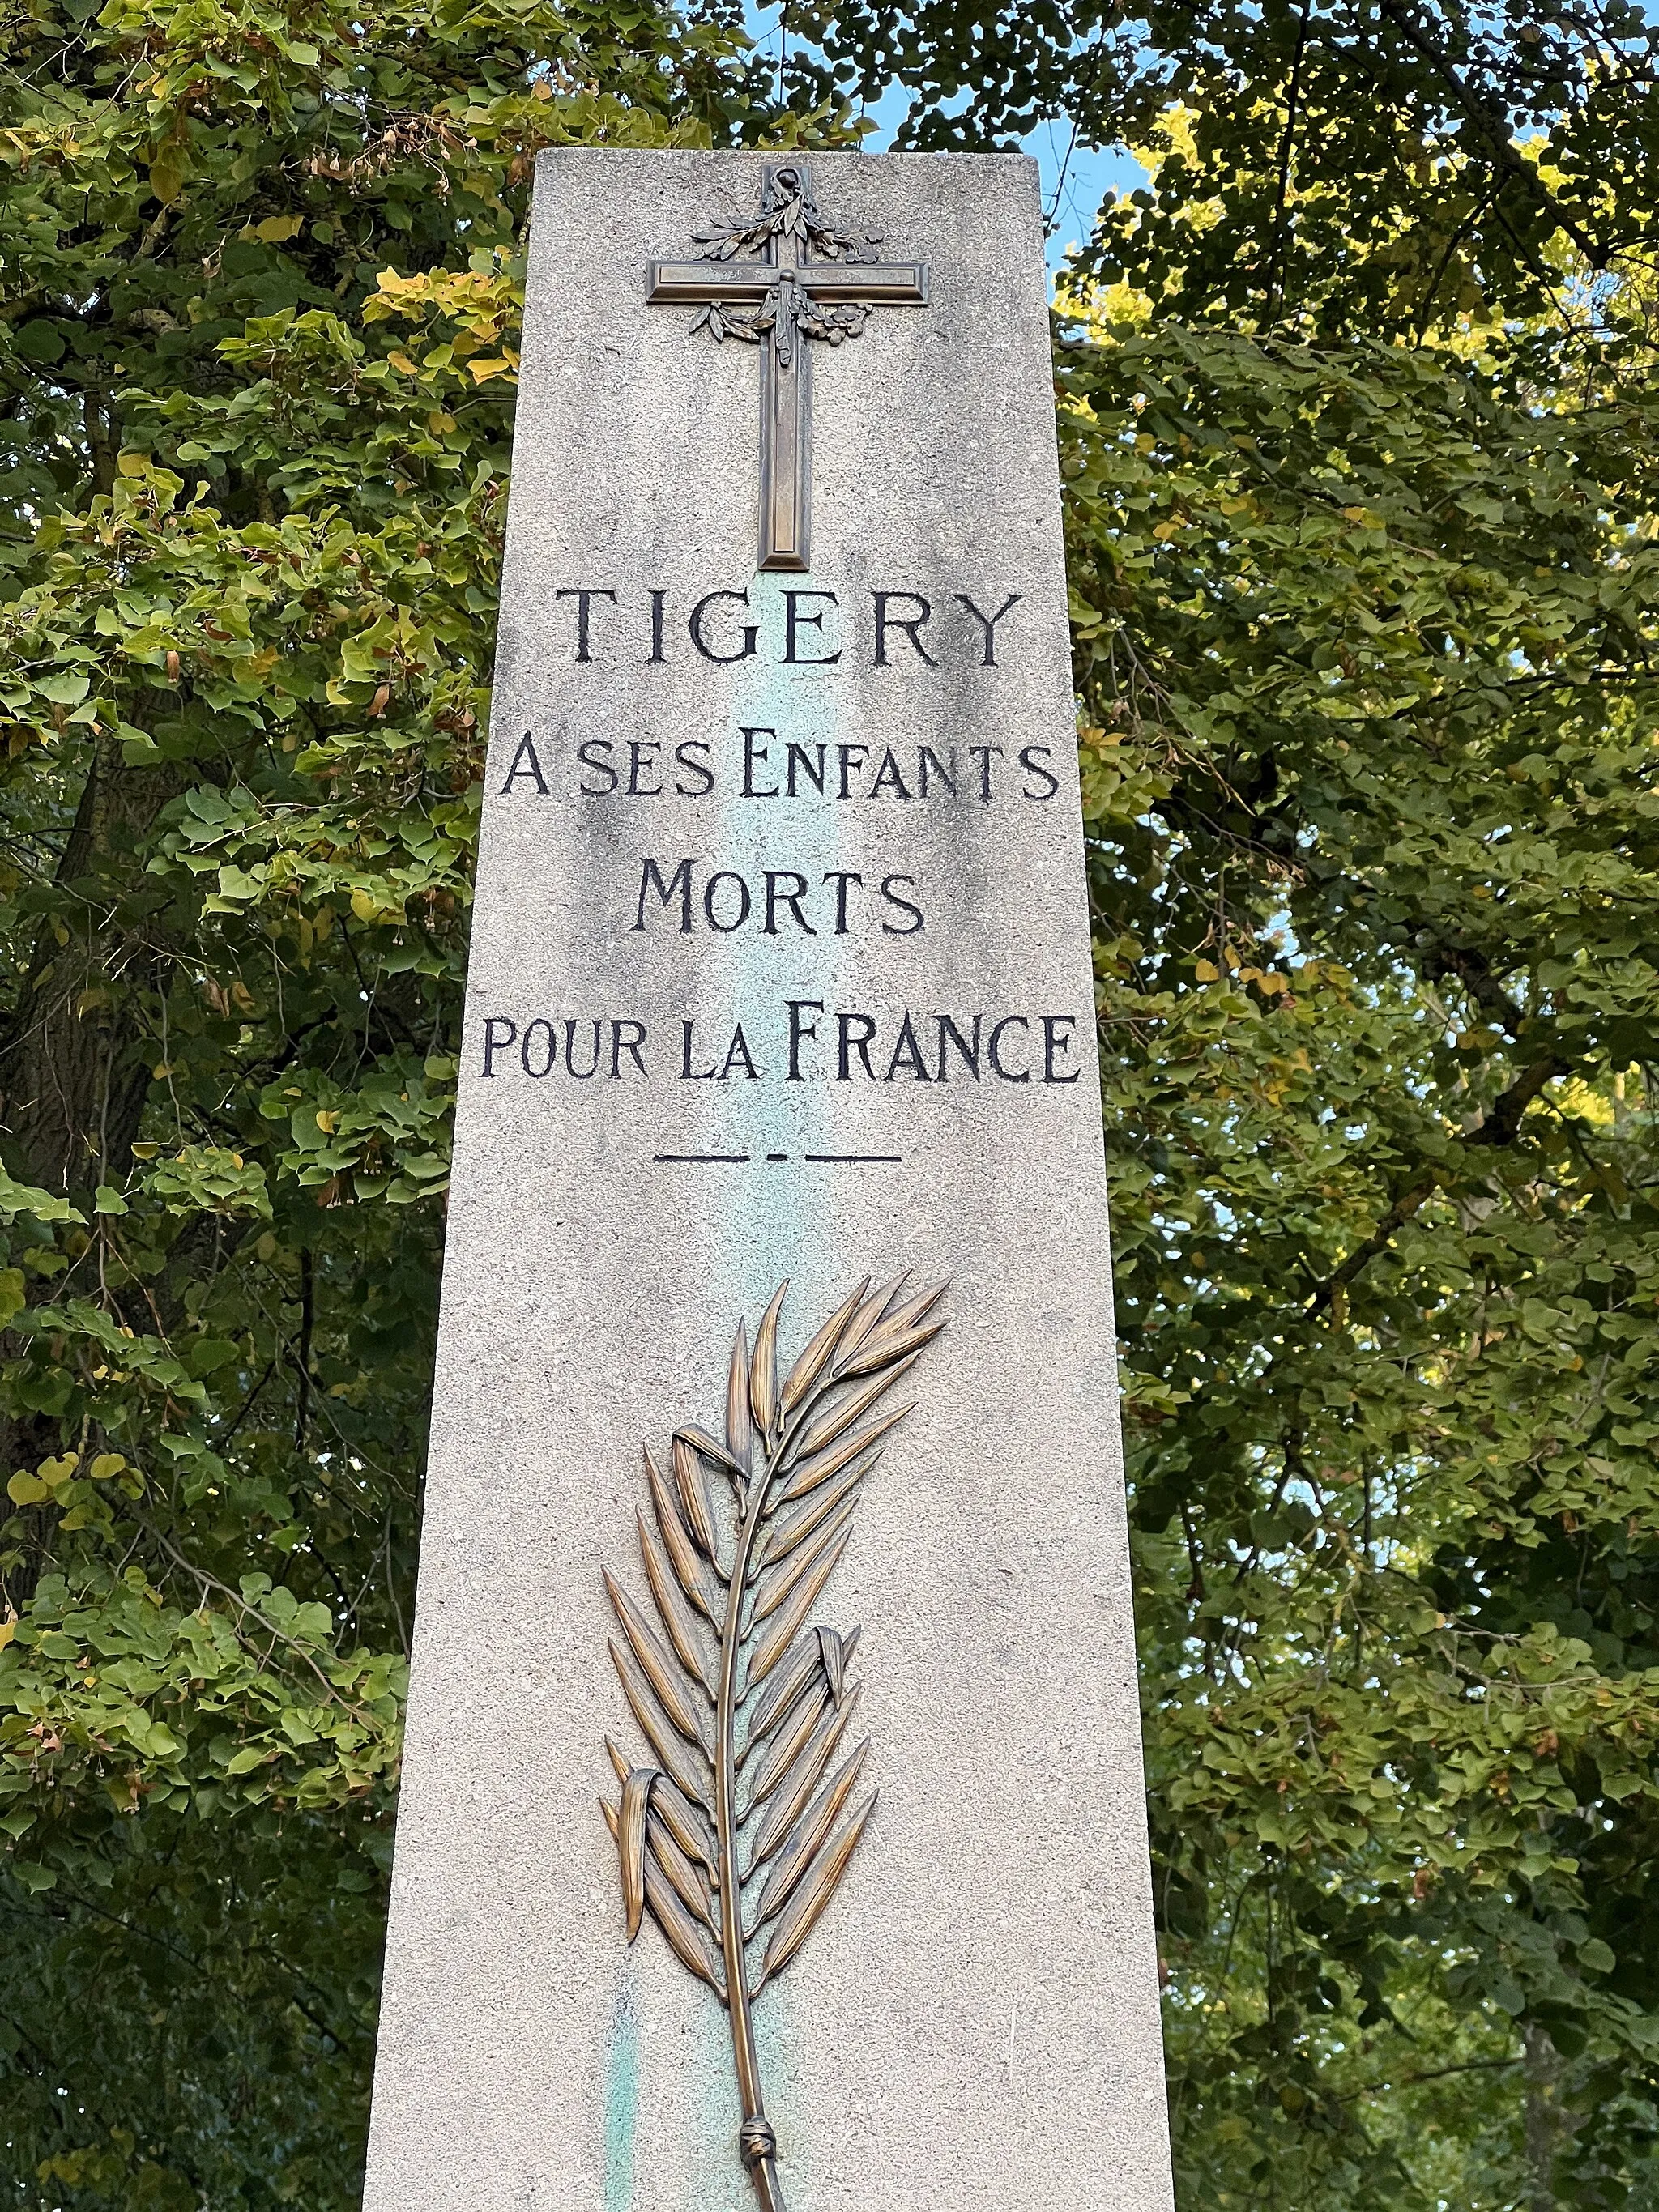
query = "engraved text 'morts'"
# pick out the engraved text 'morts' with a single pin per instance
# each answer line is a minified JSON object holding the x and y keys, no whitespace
{"x":689,"y":894}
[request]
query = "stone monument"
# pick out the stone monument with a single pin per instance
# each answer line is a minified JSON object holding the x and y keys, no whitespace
{"x":772,"y":1828}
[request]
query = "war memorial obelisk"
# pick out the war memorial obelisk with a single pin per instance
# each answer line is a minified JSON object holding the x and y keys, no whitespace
{"x":772,"y":1828}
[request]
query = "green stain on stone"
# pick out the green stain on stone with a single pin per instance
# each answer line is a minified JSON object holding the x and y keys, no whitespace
{"x":622,"y":2105}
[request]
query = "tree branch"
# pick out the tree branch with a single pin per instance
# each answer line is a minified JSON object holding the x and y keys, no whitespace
{"x":1492,"y":128}
{"x":1500,"y":1126}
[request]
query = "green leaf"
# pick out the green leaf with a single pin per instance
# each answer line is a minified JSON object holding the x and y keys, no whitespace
{"x":209,"y":1354}
{"x":39,"y":341}
{"x":65,"y":690}
{"x":166,"y":174}
{"x":17,"y":1199}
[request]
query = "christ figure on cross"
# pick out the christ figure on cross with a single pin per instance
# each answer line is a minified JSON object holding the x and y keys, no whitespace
{"x":803,"y":279}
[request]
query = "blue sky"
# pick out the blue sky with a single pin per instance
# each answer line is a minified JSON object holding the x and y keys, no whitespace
{"x":1074,"y":177}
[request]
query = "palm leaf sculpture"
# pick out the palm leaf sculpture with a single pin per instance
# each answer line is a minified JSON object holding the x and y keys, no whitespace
{"x":735,"y":1840}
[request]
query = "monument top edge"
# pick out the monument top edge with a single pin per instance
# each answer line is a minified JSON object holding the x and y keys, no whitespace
{"x":829,"y":157}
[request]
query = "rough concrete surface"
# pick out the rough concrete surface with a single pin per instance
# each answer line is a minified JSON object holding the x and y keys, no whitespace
{"x":972,"y":2026}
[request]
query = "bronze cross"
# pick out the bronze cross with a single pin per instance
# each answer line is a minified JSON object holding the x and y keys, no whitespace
{"x":805,"y":280}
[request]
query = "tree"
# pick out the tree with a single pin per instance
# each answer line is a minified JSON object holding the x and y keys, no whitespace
{"x":256,"y":355}
{"x":1357,"y":434}
{"x":1370,"y":776}
{"x":1357,"y":449}
{"x":1351,"y":164}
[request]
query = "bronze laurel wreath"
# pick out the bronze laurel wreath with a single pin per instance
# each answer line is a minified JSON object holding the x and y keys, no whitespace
{"x":734,"y":1841}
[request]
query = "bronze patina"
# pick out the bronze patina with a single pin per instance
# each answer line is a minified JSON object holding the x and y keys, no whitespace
{"x":735,"y":1835}
{"x":776,"y":280}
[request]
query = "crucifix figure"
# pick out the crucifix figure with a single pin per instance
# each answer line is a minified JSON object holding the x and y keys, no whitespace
{"x":776,"y":280}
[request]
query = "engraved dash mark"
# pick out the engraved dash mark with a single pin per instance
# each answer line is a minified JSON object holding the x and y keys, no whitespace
{"x":735,"y":1840}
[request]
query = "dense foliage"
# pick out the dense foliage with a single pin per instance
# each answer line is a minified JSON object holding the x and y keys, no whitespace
{"x":1373,"y":781}
{"x":255,"y":373}
{"x":1358,"y":436}
{"x":1361,"y":473}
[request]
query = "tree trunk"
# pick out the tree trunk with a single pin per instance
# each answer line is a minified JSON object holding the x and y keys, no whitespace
{"x":76,"y":1070}
{"x":1547,"y":2125}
